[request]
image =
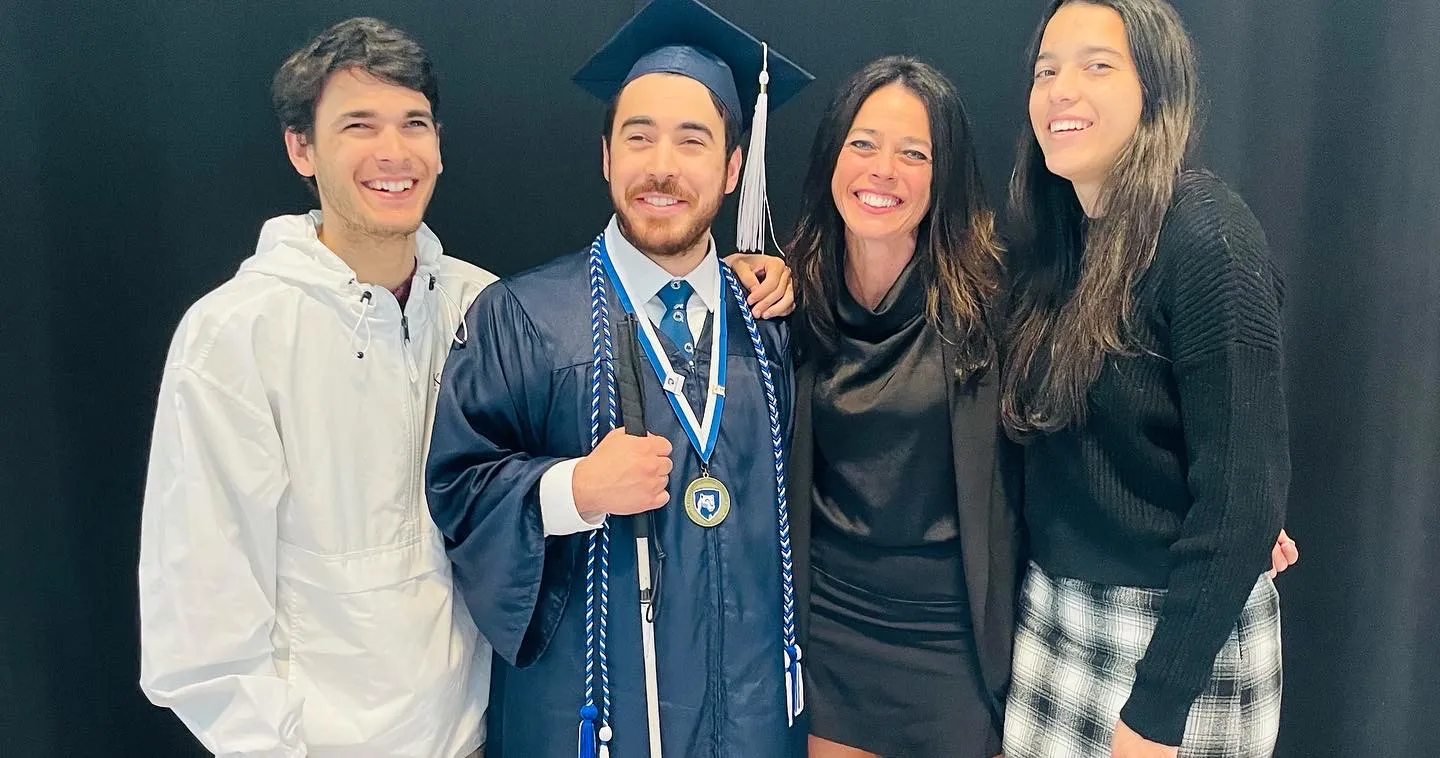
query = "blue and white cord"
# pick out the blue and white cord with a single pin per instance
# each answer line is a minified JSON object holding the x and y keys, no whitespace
{"x":794,"y":679}
{"x":595,"y":732}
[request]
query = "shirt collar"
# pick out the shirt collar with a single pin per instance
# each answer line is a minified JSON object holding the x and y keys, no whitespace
{"x":644,"y":277}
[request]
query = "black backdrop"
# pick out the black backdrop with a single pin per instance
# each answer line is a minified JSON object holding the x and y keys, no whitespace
{"x":140,"y":158}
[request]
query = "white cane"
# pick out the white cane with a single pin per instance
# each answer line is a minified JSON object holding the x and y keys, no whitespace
{"x":632,"y":409}
{"x":647,"y":631}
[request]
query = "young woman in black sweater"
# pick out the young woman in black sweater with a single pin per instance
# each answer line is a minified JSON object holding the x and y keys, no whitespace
{"x":1143,"y":375}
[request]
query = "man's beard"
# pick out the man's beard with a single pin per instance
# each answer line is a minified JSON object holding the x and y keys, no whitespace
{"x":348,"y":211}
{"x":652,"y":238}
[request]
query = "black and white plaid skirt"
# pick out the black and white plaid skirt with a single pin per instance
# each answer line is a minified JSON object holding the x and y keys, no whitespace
{"x":1075,"y":655}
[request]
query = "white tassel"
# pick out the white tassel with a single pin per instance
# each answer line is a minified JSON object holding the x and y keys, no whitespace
{"x":799,"y":705}
{"x":794,"y":686}
{"x":754,"y":212}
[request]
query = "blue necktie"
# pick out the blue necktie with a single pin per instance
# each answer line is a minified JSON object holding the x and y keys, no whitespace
{"x":675,"y":324}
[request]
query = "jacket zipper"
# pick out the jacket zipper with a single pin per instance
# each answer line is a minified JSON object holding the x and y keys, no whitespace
{"x":410,"y":366}
{"x":415,"y":463}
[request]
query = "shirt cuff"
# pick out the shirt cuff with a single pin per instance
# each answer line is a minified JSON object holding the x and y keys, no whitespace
{"x":557,"y":502}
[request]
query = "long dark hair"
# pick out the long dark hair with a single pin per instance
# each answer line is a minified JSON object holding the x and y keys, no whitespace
{"x":958,"y":252}
{"x":1071,"y":287}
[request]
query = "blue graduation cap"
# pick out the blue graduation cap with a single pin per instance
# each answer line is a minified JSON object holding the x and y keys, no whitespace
{"x":687,"y":38}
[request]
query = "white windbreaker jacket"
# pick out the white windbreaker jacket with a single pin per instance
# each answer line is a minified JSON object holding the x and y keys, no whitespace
{"x":295,"y":598}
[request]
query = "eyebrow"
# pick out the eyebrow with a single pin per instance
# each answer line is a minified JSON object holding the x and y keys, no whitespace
{"x":1084,"y":51}
{"x":903,"y":140}
{"x":363,"y":114}
{"x":689,"y":126}
{"x":696,"y":126}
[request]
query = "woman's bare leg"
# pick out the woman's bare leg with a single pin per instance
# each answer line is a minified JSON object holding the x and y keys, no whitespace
{"x":823,"y":748}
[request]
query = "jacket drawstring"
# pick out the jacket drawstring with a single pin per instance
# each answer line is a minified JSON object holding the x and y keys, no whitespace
{"x":463,"y":334}
{"x":366,"y":303}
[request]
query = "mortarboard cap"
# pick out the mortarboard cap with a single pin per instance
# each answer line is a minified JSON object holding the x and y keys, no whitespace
{"x":687,"y":38}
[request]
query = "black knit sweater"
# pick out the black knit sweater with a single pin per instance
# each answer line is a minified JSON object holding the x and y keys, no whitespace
{"x":1178,"y":476}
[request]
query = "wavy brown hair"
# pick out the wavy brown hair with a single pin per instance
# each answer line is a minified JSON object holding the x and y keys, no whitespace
{"x":1072,"y":278}
{"x":959,"y":254}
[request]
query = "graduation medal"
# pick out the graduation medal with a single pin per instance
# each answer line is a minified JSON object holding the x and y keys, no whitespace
{"x":707,"y":502}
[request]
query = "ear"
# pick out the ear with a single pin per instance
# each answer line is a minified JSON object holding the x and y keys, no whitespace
{"x":732,"y":171}
{"x":298,"y":150}
{"x":605,"y":158}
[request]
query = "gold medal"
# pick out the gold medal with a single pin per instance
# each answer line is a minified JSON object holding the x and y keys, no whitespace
{"x":707,"y":502}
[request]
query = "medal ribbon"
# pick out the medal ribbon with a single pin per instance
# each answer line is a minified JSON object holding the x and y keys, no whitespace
{"x":703,"y":435}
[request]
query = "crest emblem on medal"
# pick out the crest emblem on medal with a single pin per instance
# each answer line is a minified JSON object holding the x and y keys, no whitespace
{"x":707,"y":502}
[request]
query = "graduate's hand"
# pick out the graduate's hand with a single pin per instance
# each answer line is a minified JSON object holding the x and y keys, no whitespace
{"x":1129,"y":744}
{"x":624,"y":475}
{"x":767,"y":282}
{"x":1284,"y":555}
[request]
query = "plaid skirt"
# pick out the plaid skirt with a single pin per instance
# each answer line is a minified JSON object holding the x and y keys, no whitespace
{"x":1075,"y":653}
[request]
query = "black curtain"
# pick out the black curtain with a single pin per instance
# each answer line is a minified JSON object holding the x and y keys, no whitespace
{"x":142,"y":158}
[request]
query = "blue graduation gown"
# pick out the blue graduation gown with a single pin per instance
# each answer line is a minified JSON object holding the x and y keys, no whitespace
{"x":515,"y":399}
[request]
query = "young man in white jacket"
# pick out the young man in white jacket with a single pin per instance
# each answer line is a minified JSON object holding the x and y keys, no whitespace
{"x":295,"y":598}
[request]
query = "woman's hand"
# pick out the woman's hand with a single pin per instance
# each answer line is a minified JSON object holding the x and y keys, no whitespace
{"x":767,"y":280}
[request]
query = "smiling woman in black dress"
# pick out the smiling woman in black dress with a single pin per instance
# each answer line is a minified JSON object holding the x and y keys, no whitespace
{"x":898,"y":505}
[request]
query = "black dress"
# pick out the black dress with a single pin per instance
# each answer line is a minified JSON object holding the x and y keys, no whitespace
{"x":891,"y":660}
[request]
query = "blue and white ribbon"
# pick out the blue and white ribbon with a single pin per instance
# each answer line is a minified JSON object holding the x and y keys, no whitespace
{"x":702,"y":433}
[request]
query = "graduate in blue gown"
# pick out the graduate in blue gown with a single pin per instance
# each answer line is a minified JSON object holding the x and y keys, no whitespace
{"x":539,"y":489}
